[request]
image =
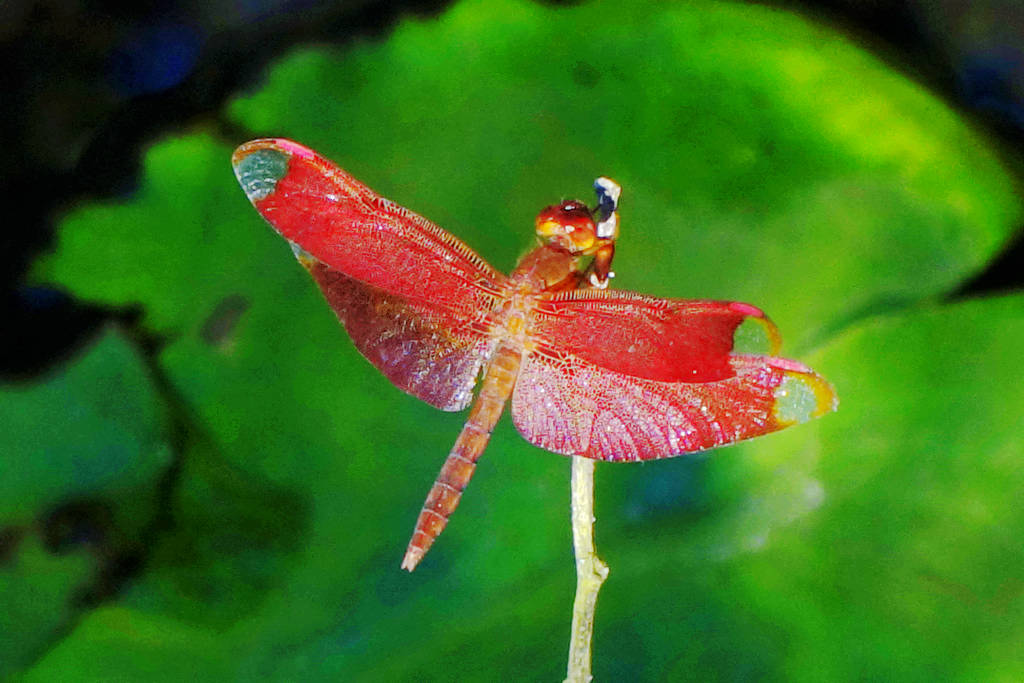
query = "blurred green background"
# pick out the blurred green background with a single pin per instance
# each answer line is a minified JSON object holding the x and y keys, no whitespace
{"x":216,"y":486}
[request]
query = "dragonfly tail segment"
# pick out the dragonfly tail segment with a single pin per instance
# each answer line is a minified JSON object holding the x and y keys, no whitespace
{"x":458,"y":468}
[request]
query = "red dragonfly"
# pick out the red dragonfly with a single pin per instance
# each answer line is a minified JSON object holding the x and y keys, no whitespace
{"x":609,"y":375}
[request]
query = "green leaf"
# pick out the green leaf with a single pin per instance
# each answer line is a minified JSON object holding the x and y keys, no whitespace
{"x":229,"y":538}
{"x":114,"y":643}
{"x":763,"y":159}
{"x":87,"y":429}
{"x":38,"y":590}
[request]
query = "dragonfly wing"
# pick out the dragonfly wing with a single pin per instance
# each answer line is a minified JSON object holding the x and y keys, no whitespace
{"x":672,"y":340}
{"x":414,"y":298}
{"x":656,"y":379}
{"x":417,"y":345}
{"x":340,"y":222}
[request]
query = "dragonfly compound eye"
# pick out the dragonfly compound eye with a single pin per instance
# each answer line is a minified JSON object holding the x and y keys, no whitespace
{"x":568,"y":225}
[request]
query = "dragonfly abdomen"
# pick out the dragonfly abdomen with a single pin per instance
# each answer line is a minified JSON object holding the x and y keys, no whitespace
{"x":458,"y":468}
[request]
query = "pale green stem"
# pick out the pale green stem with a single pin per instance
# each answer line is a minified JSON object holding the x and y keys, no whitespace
{"x":590,"y":570}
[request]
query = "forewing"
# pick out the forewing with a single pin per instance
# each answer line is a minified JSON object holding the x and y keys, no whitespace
{"x":343,"y":224}
{"x":670,"y":340}
{"x":417,"y":345}
{"x":568,"y":405}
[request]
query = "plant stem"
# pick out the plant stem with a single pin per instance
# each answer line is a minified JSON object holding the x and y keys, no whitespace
{"x":590,"y":570}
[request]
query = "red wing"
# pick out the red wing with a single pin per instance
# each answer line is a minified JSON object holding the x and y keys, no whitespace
{"x":670,"y":340}
{"x":620,"y":376}
{"x":414,"y":298}
{"x":416,"y":345}
{"x":342,"y":223}
{"x":570,"y":406}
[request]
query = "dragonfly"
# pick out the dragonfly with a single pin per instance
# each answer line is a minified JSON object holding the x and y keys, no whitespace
{"x":590,"y":371}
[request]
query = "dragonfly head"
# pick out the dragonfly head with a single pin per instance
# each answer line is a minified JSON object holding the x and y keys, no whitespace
{"x":573,"y":227}
{"x":568,"y":226}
